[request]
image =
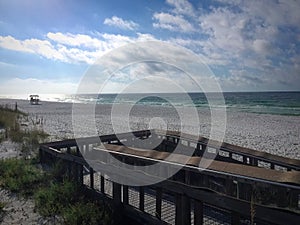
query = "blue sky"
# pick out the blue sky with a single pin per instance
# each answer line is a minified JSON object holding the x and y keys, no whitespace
{"x":47,"y":46}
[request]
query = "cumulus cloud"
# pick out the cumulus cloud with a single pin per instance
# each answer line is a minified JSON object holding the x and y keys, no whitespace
{"x":257,"y":42}
{"x":120,"y":23}
{"x":75,"y":39}
{"x":182,"y":7}
{"x":71,"y":48}
{"x":172,"y":22}
{"x":39,"y":47}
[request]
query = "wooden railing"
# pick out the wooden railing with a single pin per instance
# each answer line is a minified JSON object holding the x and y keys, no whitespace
{"x":235,"y":185}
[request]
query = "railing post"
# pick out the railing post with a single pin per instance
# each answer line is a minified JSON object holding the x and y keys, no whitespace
{"x":183,"y":210}
{"x":187,"y":177}
{"x":142,"y":198}
{"x":69,"y":164}
{"x":272,"y":166}
{"x":91,"y":178}
{"x":235,"y":218}
{"x":102,"y":183}
{"x":294,"y":199}
{"x":117,"y":193}
{"x":125,"y":194}
{"x":78,"y":151}
{"x":80,"y":174}
{"x":254,"y":161}
{"x":198,"y":212}
{"x":75,"y":171}
{"x":158,"y":202}
{"x":282,"y":197}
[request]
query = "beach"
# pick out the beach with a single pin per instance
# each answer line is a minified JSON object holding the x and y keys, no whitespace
{"x":276,"y":134}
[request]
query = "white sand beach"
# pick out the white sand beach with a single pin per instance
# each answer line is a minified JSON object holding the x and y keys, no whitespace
{"x":270,"y":133}
{"x":276,"y":134}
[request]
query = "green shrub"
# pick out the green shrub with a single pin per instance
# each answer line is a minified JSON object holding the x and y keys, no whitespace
{"x":21,"y":176}
{"x":69,"y":201}
{"x":87,"y":214}
{"x":9,"y":120}
{"x":53,"y":200}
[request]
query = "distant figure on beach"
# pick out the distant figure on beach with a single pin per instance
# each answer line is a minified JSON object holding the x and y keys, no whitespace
{"x":34,"y":99}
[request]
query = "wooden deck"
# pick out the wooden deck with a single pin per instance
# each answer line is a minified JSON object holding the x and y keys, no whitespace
{"x":237,"y":180}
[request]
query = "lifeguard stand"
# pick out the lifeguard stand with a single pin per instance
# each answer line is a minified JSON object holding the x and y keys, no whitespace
{"x":34,"y":99}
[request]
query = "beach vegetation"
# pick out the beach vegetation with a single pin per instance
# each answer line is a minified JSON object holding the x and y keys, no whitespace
{"x":69,"y":201}
{"x":54,"y":197}
{"x":28,"y":138}
{"x":20,"y":176}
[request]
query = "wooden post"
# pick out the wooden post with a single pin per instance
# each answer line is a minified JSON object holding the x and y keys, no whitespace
{"x":80,"y":175}
{"x":158,"y":200}
{"x":77,"y":151}
{"x":142,"y":198}
{"x":198,"y":212}
{"x":282,"y":197}
{"x":272,"y":166}
{"x":235,"y":218}
{"x":183,"y":210}
{"x":293,"y":199}
{"x":253,"y":161}
{"x":229,"y":187}
{"x":69,"y":164}
{"x":102,"y":183}
{"x":91,"y":178}
{"x":75,"y":172}
{"x":125,"y":194}
{"x":117,"y":193}
{"x":187,"y":177}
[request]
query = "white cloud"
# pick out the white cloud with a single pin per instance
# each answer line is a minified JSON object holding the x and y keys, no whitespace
{"x":71,"y":48}
{"x":120,"y":23}
{"x":39,"y":47}
{"x":183,"y":7}
{"x":75,"y":40}
{"x":171,"y":22}
{"x":225,"y":30}
{"x":262,"y":46}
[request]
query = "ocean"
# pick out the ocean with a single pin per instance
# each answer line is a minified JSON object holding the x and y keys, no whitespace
{"x":278,"y":103}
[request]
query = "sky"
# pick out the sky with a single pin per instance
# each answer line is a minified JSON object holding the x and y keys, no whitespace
{"x":48,"y":46}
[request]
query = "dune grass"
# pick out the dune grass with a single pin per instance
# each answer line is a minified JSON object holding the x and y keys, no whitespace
{"x":69,"y":201}
{"x":52,"y":193}
{"x":9,"y":123}
{"x":52,"y":196}
{"x":21,"y":176}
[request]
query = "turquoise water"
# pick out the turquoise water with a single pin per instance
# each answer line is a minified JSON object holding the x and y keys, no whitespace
{"x":282,"y":103}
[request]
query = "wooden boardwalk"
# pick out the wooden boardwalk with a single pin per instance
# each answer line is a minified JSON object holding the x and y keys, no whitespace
{"x":221,"y":194}
{"x":211,"y":215}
